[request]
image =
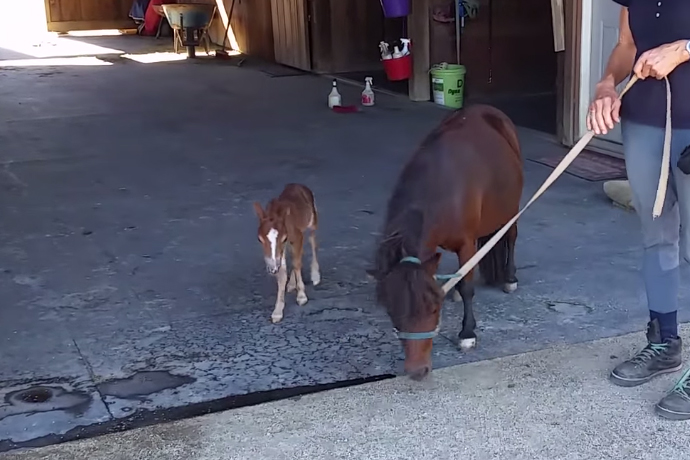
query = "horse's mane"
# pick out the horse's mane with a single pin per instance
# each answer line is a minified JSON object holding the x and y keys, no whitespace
{"x":403,"y":287}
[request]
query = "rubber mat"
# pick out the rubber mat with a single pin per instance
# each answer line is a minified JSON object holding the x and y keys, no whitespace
{"x":590,"y":166}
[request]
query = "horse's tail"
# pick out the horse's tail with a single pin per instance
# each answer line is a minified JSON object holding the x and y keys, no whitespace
{"x":494,"y":266}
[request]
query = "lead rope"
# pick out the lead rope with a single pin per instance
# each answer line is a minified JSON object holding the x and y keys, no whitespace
{"x":666,"y":157}
{"x":562,"y":166}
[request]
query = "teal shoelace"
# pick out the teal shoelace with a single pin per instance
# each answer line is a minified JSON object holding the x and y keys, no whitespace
{"x":649,"y":352}
{"x":682,"y":387}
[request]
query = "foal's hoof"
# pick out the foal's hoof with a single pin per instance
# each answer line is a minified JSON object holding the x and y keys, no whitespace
{"x":315,"y":278}
{"x":302,"y":299}
{"x":468,"y":344}
{"x":510,"y":287}
{"x":276,"y":318}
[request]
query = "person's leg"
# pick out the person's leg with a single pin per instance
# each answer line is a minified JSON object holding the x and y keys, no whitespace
{"x":681,"y":140}
{"x":643,"y":147}
{"x":676,"y":404}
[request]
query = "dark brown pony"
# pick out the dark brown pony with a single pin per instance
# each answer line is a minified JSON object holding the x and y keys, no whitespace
{"x":459,"y":188}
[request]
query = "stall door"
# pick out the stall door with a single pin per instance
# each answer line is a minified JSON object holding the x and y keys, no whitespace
{"x":291,"y":33}
{"x":605,"y":20}
{"x":69,"y":15}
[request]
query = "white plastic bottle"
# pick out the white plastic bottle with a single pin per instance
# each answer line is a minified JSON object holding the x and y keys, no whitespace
{"x":385,"y":54}
{"x":334,"y":98}
{"x":406,"y":46}
{"x":396,"y":53}
{"x":368,"y":93}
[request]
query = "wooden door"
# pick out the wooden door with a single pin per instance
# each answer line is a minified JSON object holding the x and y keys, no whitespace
{"x":69,"y":15}
{"x":291,"y":33}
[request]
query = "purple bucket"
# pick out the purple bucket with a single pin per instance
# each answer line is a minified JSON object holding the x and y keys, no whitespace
{"x":395,"y":8}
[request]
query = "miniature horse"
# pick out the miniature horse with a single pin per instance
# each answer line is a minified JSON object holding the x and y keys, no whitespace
{"x":284,"y":221}
{"x":459,"y":188}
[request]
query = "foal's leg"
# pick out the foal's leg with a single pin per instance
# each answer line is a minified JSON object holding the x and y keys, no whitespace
{"x":292,"y":283}
{"x":468,"y":338}
{"x":315,"y":272}
{"x":277,"y":314}
{"x":297,"y":251}
{"x":511,"y":282}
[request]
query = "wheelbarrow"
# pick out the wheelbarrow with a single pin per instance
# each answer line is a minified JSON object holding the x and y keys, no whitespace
{"x":190,"y":23}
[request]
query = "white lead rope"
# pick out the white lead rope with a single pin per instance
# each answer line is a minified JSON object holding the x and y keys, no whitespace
{"x":562,"y":166}
{"x":665,"y":158}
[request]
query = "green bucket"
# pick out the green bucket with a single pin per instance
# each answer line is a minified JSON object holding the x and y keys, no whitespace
{"x":448,"y":84}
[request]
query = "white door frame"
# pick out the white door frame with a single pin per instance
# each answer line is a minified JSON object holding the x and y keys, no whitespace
{"x":585,"y":92}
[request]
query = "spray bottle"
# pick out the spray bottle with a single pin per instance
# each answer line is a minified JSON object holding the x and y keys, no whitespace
{"x":406,"y":46}
{"x":368,"y":93}
{"x":396,"y":53}
{"x":385,"y":54}
{"x":334,"y":96}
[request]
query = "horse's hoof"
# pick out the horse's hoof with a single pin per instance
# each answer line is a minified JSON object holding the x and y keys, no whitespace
{"x":315,"y":278}
{"x":276,"y":318}
{"x":456,"y":296}
{"x":510,"y":287}
{"x":468,"y":344}
{"x":302,"y":299}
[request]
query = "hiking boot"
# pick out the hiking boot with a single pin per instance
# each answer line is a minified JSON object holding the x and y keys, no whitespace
{"x":658,"y":357}
{"x":676,"y":404}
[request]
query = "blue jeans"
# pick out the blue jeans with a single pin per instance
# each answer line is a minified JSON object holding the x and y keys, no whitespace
{"x":665,"y":238}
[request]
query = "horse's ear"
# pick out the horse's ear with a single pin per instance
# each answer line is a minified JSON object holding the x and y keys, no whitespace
{"x":259,"y":210}
{"x":431,"y":264}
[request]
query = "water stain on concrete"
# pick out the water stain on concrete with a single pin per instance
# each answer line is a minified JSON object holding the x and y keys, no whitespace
{"x":44,"y":399}
{"x":569,"y":308}
{"x":143,"y":384}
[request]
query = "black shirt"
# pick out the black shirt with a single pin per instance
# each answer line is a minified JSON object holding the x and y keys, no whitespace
{"x":654,"y":23}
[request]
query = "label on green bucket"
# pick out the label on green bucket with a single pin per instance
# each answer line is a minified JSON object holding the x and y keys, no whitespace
{"x":437,"y":86}
{"x":448,"y":84}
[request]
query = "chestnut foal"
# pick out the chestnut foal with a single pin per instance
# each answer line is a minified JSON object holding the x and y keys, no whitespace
{"x":284,"y":221}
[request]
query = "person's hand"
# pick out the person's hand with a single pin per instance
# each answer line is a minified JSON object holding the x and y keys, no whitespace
{"x":659,"y":62}
{"x":604,"y":111}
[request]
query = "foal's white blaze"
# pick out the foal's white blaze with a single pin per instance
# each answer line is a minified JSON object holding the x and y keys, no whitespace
{"x":272,"y":262}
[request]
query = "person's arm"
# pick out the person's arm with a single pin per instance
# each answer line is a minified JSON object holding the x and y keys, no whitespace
{"x":604,"y":112}
{"x":659,"y":62}
{"x":622,"y":57}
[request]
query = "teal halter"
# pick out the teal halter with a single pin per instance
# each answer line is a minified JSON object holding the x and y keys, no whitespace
{"x":415,"y":260}
{"x":421,"y":335}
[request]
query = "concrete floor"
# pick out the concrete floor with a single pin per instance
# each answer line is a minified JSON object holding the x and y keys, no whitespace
{"x":128,"y":242}
{"x":551,"y":404}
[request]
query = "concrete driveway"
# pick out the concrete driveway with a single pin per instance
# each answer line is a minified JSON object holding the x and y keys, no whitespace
{"x":130,"y":275}
{"x":545,"y":405}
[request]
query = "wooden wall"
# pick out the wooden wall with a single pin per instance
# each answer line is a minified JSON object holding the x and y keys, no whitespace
{"x":346,"y":34}
{"x":291,"y":33}
{"x":522,"y":54}
{"x":67,"y":15}
{"x":252,"y":25}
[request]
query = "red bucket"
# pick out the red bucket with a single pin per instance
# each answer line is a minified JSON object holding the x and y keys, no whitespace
{"x":398,"y":69}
